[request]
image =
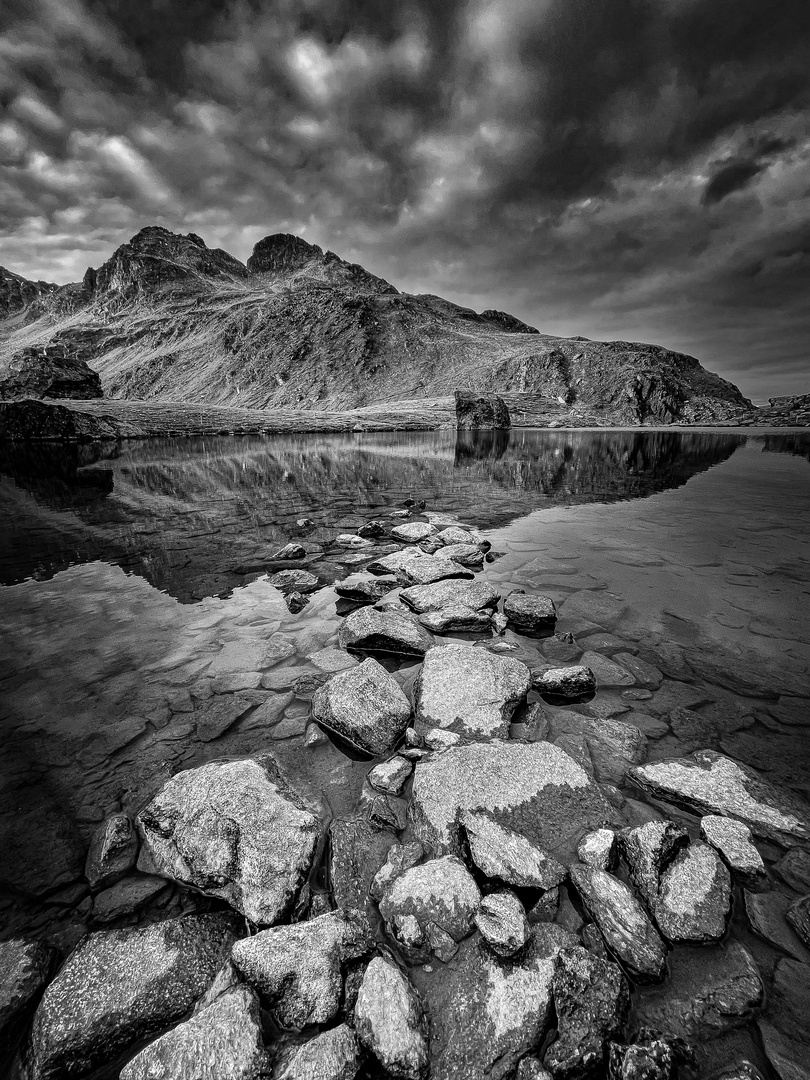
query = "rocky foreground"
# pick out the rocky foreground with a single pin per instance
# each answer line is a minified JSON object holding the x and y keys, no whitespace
{"x":497,"y":908}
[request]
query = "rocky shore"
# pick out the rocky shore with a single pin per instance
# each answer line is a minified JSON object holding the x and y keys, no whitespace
{"x":529,"y":886}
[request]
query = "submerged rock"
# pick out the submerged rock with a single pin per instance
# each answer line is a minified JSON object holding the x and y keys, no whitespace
{"x":798,"y":915}
{"x":25,"y":967}
{"x":505,"y":855}
{"x":533,"y":789}
{"x":694,"y":896}
{"x":530,"y":614}
{"x":591,"y":999}
{"x":221,"y":1042}
{"x":235,"y":830}
{"x":613,"y":746}
{"x":390,"y":1022}
{"x":625,"y":925}
{"x":565,"y":684}
{"x":113,"y":851}
{"x":441,"y":892}
{"x":365,"y":706}
{"x":767,"y":914}
{"x":126,"y":896}
{"x":372,"y":631}
{"x":297,"y":969}
{"x":332,"y":1055}
{"x":365,"y":590}
{"x":502,"y":921}
{"x":477,"y":595}
{"x":732,"y":839}
{"x":472,"y":692}
{"x":711,"y":783}
{"x":118,"y":986}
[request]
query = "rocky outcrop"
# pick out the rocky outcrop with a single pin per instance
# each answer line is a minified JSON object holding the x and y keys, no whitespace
{"x":47,"y":371}
{"x":235,"y":830}
{"x":792,"y":411}
{"x":474,"y":411}
{"x":17,"y":294}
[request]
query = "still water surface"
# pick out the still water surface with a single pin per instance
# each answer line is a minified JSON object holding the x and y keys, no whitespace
{"x":124,"y":569}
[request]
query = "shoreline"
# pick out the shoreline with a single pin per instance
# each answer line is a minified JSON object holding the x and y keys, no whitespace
{"x":64,"y":420}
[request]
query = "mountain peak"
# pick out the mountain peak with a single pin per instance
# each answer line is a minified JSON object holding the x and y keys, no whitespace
{"x":283,"y":254}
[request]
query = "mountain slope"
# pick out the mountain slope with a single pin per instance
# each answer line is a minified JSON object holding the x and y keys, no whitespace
{"x":166,"y":318}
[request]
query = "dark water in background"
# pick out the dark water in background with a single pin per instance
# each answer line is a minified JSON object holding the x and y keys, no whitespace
{"x":125,"y":568}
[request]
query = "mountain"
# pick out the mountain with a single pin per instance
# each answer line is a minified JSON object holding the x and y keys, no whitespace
{"x":167,"y":318}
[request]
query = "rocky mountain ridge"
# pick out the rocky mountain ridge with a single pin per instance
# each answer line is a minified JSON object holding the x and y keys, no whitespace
{"x":168,"y":319}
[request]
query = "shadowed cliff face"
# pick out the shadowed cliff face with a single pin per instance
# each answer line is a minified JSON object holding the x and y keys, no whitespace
{"x":198,"y":517}
{"x":165,"y":318}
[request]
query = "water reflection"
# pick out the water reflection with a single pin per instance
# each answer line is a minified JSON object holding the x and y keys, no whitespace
{"x":196,"y":517}
{"x":798,"y":445}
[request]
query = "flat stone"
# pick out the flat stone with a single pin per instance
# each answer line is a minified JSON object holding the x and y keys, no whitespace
{"x":232,"y":684}
{"x":365,"y":590}
{"x":651,"y":726}
{"x":391,"y":776}
{"x":439,"y":739}
{"x":466,"y":554}
{"x":390,"y":1022}
{"x":533,"y":789}
{"x":290,"y":551}
{"x":598,"y":849}
{"x":646,"y":675}
{"x":477,"y":595}
{"x":358,"y":854}
{"x":565,"y":684}
{"x":394,"y":561}
{"x":608,"y":673}
{"x":365,"y":706}
{"x":790,"y":711}
{"x":472,"y":692}
{"x":457,"y":619}
{"x":440,"y":891}
{"x":505,"y":855}
{"x":118,"y":986}
{"x":613,"y":746}
{"x":603,"y":643}
{"x":217,"y":714}
{"x":453,"y":534}
{"x":677,"y":695}
{"x":413,"y":531}
{"x":591,"y":1001}
{"x":732,"y":839}
{"x":789,"y":1000}
{"x":332,"y":1055}
{"x":296,"y":580}
{"x":113,"y":851}
{"x":388,"y":811}
{"x":126,"y":896}
{"x":694,"y":896}
{"x":400,"y":857}
{"x":794,"y":869}
{"x":332,"y":660}
{"x":708,"y":991}
{"x":602,"y":608}
{"x":427,"y":569}
{"x":352,"y":541}
{"x":487,"y":1012}
{"x":626,"y":927}
{"x":559,"y":650}
{"x":798,"y":915}
{"x":502,"y":921}
{"x":25,"y":967}
{"x":712,"y":783}
{"x":767,"y":914}
{"x":788,"y":1057}
{"x":221,"y":1042}
{"x":248,"y":656}
{"x":372,"y":631}
{"x":297,"y":968}
{"x":235,"y":830}
{"x":648,"y":850}
{"x":529,"y":613}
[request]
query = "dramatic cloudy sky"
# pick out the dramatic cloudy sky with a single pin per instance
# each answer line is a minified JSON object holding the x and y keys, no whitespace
{"x":614,"y":168}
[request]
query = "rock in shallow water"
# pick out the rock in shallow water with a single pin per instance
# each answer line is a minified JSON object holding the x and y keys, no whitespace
{"x":654,"y":1060}
{"x":332,"y":1055}
{"x":732,"y":839}
{"x":767,"y":914}
{"x":235,"y":830}
{"x":372,"y":631}
{"x":221,"y":1042}
{"x":365,"y":590}
{"x":113,"y":850}
{"x":118,"y":986}
{"x":505,"y":855}
{"x":365,"y":706}
{"x":502,"y":921}
{"x":472,"y":594}
{"x":565,"y":684}
{"x":798,"y":915}
{"x":391,"y":776}
{"x":425,"y":569}
{"x":413,"y":531}
{"x":598,"y":849}
{"x":390,"y":1022}
{"x":712,"y":783}
{"x":358,"y":851}
{"x":694,"y":896}
{"x":25,"y":967}
{"x":441,"y":892}
{"x":456,"y":619}
{"x":530,"y":614}
{"x":648,"y":849}
{"x":470,"y":691}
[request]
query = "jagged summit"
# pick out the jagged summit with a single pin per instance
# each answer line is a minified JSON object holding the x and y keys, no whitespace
{"x":168,"y":318}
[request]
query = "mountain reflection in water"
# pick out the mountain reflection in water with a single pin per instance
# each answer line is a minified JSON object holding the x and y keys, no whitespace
{"x":197,"y":517}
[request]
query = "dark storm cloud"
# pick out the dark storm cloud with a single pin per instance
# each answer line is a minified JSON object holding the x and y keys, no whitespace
{"x":617,"y":168}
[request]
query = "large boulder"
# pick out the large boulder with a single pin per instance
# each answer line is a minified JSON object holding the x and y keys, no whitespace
{"x":390,"y":1022}
{"x":714,"y":784}
{"x":480,"y":411}
{"x":365,"y":706}
{"x":118,"y":986}
{"x":235,"y":830}
{"x":48,"y":371}
{"x":470,"y":690}
{"x":478,"y":595}
{"x":221,"y":1042}
{"x":533,"y":789}
{"x":368,"y":630}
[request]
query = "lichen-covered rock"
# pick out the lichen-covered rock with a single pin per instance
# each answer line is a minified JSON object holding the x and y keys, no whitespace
{"x":648,"y":850}
{"x":598,"y":849}
{"x":295,"y":581}
{"x":475,"y":411}
{"x":612,"y":745}
{"x":365,"y":590}
{"x":391,"y":776}
{"x":565,"y":684}
{"x":332,"y":1055}
{"x":477,"y":595}
{"x":118,"y":986}
{"x":653,"y":1060}
{"x":469,"y":555}
{"x":591,"y":999}
{"x":441,"y":891}
{"x":732,"y":839}
{"x":113,"y":850}
{"x":390,"y":1022}
{"x":501,"y":919}
{"x":365,"y":706}
{"x":357,"y":853}
{"x":371,"y":631}
{"x":457,"y":619}
{"x":694,"y":896}
{"x":236,"y":830}
{"x":413,"y":531}
{"x":221,"y":1042}
{"x":427,"y":569}
{"x":470,"y":691}
{"x":714,"y":784}
{"x":625,"y":925}
{"x":297,"y":968}
{"x":507,"y":856}
{"x":487,"y":1012}
{"x":400,"y":857}
{"x":25,"y":967}
{"x":530,"y":614}
{"x":533,"y":789}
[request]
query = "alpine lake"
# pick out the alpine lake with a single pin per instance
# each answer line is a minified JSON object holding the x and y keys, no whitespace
{"x":141,"y":636}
